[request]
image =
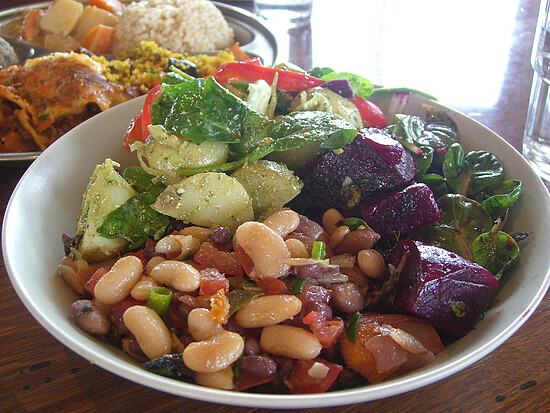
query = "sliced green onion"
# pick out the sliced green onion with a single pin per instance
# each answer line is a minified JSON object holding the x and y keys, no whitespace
{"x":237,"y":365}
{"x":297,"y":285}
{"x":351,"y":327}
{"x":353,"y":223}
{"x":159,"y":299}
{"x":318,"y":251}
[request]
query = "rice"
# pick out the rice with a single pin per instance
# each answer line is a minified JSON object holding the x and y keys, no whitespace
{"x":142,"y":65}
{"x":177,"y":25}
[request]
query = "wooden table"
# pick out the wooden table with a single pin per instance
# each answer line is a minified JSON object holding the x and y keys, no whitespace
{"x":473,"y":55}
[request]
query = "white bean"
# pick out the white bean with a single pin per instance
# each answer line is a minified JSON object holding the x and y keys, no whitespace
{"x":201,"y":325}
{"x":268,"y":310}
{"x":222,"y":379}
{"x":141,"y":290}
{"x":289,"y":341}
{"x":200,"y":233}
{"x":283,"y":222}
{"x":150,"y":331}
{"x":117,"y":283}
{"x":152,"y":263}
{"x":177,"y":274}
{"x":297,"y":248}
{"x":178,"y":247}
{"x":214,"y":354}
{"x":266,"y":249}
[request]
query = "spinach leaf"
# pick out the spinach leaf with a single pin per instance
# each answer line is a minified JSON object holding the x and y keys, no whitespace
{"x":319,"y":72}
{"x":135,"y":221}
{"x":462,"y":220}
{"x":502,"y":197}
{"x":141,"y":181}
{"x":495,"y":251}
{"x":471,"y":173}
{"x":361,"y":86}
{"x":201,"y":110}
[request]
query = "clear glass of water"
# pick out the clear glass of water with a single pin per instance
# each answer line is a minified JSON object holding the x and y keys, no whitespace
{"x":287,"y":12}
{"x":536,"y":139}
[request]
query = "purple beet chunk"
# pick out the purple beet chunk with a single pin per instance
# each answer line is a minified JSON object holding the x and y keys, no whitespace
{"x":441,"y":287}
{"x":401,"y":212}
{"x":371,"y":163}
{"x":340,"y":86}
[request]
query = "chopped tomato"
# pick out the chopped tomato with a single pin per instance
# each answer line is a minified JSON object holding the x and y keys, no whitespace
{"x":244,"y":258}
{"x":313,"y":376}
{"x":112,"y":6}
{"x":99,"y":40}
{"x":326,"y":331}
{"x":30,"y":27}
{"x":90,"y":285}
{"x":371,"y":115}
{"x":272,"y":286}
{"x":153,"y":95}
{"x":246,"y":381}
{"x":133,"y":132}
{"x":116,"y":311}
{"x":212,"y":281}
{"x":226,"y":262}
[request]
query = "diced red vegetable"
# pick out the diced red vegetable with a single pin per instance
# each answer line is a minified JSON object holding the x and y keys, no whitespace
{"x":326,"y":331}
{"x":441,"y":287}
{"x":272,"y":286}
{"x":250,"y":71}
{"x":116,"y":311}
{"x":153,"y":95}
{"x":133,"y":132}
{"x":212,"y":281}
{"x":226,"y":262}
{"x":313,"y":376}
{"x":371,"y":115}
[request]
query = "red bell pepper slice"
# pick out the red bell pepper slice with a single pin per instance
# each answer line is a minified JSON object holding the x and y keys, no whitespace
{"x":153,"y":95}
{"x":326,"y":331}
{"x":251,"y":71}
{"x":133,"y":132}
{"x":371,"y":115}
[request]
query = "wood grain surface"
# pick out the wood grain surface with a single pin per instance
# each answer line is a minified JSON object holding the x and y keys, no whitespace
{"x":37,"y":373}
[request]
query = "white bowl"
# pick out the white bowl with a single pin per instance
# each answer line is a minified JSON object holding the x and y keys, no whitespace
{"x":45,"y":205}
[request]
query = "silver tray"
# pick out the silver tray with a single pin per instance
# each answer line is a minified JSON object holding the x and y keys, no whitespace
{"x":253,"y":37}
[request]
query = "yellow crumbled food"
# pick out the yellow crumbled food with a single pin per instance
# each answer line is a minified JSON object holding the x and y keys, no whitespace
{"x":142,"y":66}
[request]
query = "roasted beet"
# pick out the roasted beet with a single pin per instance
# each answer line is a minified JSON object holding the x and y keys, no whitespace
{"x":373,"y":162}
{"x":401,"y":212}
{"x":441,"y":287}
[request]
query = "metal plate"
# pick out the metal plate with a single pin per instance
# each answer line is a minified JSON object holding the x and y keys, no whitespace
{"x":253,"y":37}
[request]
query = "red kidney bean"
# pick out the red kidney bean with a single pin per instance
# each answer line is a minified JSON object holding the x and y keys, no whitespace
{"x":259,"y":366}
{"x":221,"y":236}
{"x":355,"y":241}
{"x":252,"y":347}
{"x":347,"y":298}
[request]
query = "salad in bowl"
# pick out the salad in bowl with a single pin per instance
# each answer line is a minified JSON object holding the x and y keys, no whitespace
{"x":279,"y":233}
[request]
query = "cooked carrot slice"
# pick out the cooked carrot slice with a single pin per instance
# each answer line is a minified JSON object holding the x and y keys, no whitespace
{"x":30,"y":27}
{"x":113,"y":6}
{"x":99,"y":40}
{"x":239,"y":53}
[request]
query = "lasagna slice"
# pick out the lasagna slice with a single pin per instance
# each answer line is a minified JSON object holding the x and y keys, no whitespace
{"x":49,"y":95}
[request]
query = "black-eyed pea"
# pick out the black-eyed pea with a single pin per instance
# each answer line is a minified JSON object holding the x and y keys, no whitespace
{"x":117,"y":283}
{"x":201,"y":325}
{"x":149,"y":330}
{"x":283,"y":222}
{"x":199,"y":233}
{"x":297,"y":248}
{"x":338,"y":235}
{"x":222,"y":379}
{"x":178,"y":247}
{"x":90,"y":318}
{"x":330,"y":218}
{"x":214,"y":354}
{"x":141,"y":290}
{"x":152,"y":263}
{"x":289,"y":341}
{"x":177,"y":274}
{"x":266,"y":249}
{"x":268,"y":310}
{"x":371,"y":263}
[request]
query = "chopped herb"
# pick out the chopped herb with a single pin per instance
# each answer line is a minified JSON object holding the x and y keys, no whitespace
{"x":351,"y":327}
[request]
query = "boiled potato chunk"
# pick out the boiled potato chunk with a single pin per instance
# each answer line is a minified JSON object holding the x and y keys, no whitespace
{"x":106,"y":191}
{"x":208,"y":200}
{"x":61,"y":17}
{"x":56,"y":42}
{"x":164,"y":153}
{"x":271,"y":185}
{"x":91,"y":17}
